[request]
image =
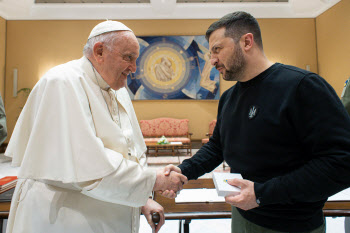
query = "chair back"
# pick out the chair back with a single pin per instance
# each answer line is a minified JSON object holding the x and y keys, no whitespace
{"x":212,"y":126}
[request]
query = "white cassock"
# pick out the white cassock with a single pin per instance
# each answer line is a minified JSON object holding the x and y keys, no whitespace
{"x":79,"y":170}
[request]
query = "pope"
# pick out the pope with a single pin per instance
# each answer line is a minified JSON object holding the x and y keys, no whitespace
{"x":80,"y":149}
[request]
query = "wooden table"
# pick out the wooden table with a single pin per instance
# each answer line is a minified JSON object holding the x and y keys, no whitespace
{"x":185,"y":212}
{"x":4,"y":212}
{"x":162,"y":149}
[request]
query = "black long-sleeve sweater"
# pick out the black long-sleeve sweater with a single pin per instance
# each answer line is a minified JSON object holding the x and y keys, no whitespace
{"x":287,"y":131}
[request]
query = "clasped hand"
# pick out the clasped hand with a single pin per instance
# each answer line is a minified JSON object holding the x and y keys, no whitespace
{"x":169,"y":171}
{"x":170,"y":178}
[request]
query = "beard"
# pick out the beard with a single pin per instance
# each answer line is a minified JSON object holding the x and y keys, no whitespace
{"x":236,"y":65}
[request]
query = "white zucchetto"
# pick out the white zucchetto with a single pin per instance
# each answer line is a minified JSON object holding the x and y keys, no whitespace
{"x":108,"y":26}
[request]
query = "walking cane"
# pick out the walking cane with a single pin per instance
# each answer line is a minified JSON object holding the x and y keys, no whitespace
{"x":155,"y":219}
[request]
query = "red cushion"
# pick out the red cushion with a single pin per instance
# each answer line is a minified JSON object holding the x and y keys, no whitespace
{"x":164,"y":126}
{"x":205,"y":140}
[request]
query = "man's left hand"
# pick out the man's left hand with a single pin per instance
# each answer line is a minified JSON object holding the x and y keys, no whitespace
{"x":151,"y":207}
{"x":246,"y":200}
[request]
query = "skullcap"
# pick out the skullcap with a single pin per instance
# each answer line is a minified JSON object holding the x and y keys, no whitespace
{"x":108,"y":26}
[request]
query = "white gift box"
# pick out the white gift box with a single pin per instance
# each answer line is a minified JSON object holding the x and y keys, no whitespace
{"x":222,"y":187}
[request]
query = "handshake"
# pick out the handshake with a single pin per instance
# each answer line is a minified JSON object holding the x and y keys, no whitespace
{"x":169,"y":181}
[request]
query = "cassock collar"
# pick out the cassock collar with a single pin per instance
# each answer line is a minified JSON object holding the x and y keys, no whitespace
{"x":94,"y":75}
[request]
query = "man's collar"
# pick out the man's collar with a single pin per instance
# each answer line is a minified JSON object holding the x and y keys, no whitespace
{"x":95,"y":76}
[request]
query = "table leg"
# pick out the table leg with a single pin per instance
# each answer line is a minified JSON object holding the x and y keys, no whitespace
{"x":347,"y":224}
{"x":1,"y":222}
{"x":187,"y":225}
{"x":180,"y":226}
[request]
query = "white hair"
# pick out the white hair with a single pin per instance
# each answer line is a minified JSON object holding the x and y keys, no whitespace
{"x":107,"y":39}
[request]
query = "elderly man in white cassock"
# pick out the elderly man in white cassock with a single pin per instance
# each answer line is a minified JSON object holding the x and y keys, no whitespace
{"x":80,"y":149}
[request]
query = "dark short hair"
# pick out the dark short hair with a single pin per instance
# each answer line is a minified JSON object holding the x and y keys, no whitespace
{"x":237,"y":24}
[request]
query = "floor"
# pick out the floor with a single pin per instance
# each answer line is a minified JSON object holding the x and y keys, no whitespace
{"x":163,"y":160}
{"x":334,"y":225}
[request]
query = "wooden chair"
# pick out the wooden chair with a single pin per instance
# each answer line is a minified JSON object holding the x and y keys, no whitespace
{"x":211,"y":130}
{"x":212,"y":125}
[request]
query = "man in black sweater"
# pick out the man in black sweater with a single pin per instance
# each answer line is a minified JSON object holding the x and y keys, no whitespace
{"x":283,"y":128}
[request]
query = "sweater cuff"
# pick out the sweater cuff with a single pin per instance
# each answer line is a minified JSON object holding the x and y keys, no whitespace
{"x":258,"y":189}
{"x":184,"y":171}
{"x":265,"y":194}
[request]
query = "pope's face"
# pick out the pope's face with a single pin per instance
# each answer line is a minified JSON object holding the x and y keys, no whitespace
{"x":120,"y":60}
{"x":226,"y":55}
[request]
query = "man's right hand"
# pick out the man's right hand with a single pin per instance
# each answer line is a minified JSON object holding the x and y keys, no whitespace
{"x":169,"y":179}
{"x":167,"y":170}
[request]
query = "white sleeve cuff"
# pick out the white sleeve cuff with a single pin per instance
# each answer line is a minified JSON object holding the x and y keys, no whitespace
{"x":129,"y":185}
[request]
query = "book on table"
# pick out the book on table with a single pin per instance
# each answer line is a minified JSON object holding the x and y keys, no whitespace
{"x":8,"y":182}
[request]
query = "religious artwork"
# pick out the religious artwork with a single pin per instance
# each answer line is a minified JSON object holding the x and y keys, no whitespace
{"x":174,"y":67}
